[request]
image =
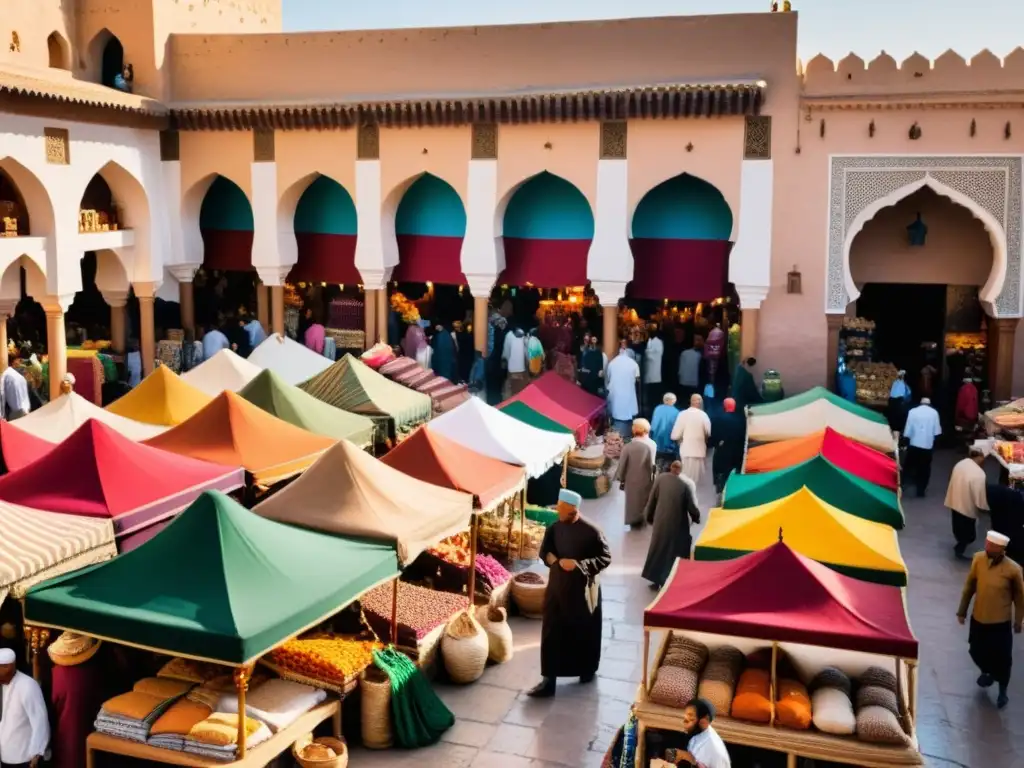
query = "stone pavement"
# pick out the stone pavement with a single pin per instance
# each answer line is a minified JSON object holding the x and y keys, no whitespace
{"x":499,"y":727}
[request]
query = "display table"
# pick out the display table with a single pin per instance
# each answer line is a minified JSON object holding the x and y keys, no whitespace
{"x":257,"y":757}
{"x":794,"y":744}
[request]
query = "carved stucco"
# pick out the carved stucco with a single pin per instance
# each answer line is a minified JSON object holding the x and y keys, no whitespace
{"x":988,"y":185}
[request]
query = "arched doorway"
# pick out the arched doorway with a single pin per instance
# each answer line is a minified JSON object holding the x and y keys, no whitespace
{"x":324,"y":278}
{"x":919,"y":267}
{"x":680,"y":243}
{"x":58,"y":51}
{"x":227,"y":282}
{"x":22,"y":286}
{"x":112,"y":63}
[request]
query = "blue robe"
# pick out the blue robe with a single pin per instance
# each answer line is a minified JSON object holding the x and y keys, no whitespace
{"x":661,"y":428}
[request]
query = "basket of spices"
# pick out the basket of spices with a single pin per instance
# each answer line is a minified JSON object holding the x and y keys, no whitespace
{"x":528,"y":590}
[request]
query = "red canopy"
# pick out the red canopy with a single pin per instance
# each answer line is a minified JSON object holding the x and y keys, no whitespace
{"x":779,"y":595}
{"x":19,"y":448}
{"x":435,"y":459}
{"x":564,"y":402}
{"x":97,"y":472}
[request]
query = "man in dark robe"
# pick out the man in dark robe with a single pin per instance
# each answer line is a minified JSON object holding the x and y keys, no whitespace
{"x":1006,"y":507}
{"x":444,"y":361}
{"x":729,"y":429}
{"x":672,"y":507}
{"x":577,"y":552}
{"x":744,"y":388}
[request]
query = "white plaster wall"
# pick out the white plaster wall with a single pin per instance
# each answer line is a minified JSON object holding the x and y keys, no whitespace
{"x":610,"y":258}
{"x":376,"y":245}
{"x":751,"y":259}
{"x":91,"y":148}
{"x":483,"y":250}
{"x":273,"y":243}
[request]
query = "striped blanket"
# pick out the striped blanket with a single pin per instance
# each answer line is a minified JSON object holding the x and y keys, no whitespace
{"x":444,"y":394}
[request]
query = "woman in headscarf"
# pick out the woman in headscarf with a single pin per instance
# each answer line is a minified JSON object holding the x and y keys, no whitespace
{"x":444,"y":360}
{"x":730,"y":434}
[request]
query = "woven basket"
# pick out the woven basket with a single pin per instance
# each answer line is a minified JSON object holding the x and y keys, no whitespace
{"x":375,"y":688}
{"x":339,"y":746}
{"x":465,"y":658}
{"x":500,"y":642}
{"x":529,"y":598}
{"x":588,"y":458}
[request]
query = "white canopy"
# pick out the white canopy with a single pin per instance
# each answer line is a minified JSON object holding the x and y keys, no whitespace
{"x":224,"y":371}
{"x":290,"y":360}
{"x":814,"y":417}
{"x":490,"y":432}
{"x":59,"y":418}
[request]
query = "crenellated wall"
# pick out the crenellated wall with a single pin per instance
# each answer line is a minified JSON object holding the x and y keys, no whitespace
{"x":950,"y":73}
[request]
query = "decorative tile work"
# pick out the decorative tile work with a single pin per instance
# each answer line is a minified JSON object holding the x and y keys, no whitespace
{"x":757,"y":138}
{"x":263,"y":145}
{"x":993,"y":183}
{"x":368,"y":142}
{"x":613,"y":140}
{"x":170,"y":146}
{"x":485,"y":141}
{"x":58,"y":146}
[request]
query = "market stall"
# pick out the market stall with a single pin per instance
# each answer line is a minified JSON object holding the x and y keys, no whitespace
{"x":19,"y":448}
{"x":224,"y":371}
{"x":272,"y":394}
{"x":220,"y":585}
{"x":826,"y":481}
{"x":37,"y":546}
{"x":564,"y":402}
{"x":813,"y":411}
{"x":292,"y":361}
{"x":763,"y":636}
{"x":488,"y":431}
{"x":353,"y":386}
{"x":234,"y":432}
{"x":524,"y":413}
{"x":98,"y":473}
{"x":59,"y":418}
{"x":407,"y":372}
{"x":855,"y":547}
{"x":162,"y":398}
{"x":848,"y":455}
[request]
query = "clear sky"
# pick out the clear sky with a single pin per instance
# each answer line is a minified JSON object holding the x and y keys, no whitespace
{"x":832,"y":27}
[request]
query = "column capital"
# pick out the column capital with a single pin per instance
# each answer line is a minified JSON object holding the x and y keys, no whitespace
{"x":480,"y":286}
{"x":116,"y":299}
{"x":7,"y":308}
{"x":751,"y":296}
{"x":835,"y":320}
{"x":275,"y":275}
{"x":608,"y":293}
{"x":183,"y":273}
{"x":1006,"y":324}
{"x":55,"y":306}
{"x":376,"y":279}
{"x":145,"y":291}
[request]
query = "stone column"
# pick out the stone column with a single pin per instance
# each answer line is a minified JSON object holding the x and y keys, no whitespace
{"x":480,"y":324}
{"x":609,"y":294}
{"x":383,"y":309}
{"x":835,"y":324}
{"x":1001,"y":357}
{"x":277,"y":308}
{"x":6,"y":310}
{"x":117,"y":300}
{"x":748,"y":333}
{"x":184,"y":274}
{"x":751,"y":258}
{"x":147,"y":334}
{"x":56,"y":345}
{"x":262,"y":306}
{"x":370,"y":317}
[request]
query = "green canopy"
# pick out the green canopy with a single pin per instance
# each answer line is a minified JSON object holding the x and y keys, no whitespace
{"x":813,"y":395}
{"x":353,"y":386}
{"x":219,"y":584}
{"x":524,"y":413}
{"x":826,"y":481}
{"x":271,"y":393}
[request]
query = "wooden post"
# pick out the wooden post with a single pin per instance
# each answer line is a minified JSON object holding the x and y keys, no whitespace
{"x":480,"y":324}
{"x":369,"y":318}
{"x":277,"y":309}
{"x":242,"y":675}
{"x":647,"y":649}
{"x":57,"y":347}
{"x":38,"y":639}
{"x":186,"y":303}
{"x":383,"y":310}
{"x":771,"y":686}
{"x":472,"y":561}
{"x":522,"y":526}
{"x":147,"y":333}
{"x":394,"y":612}
{"x":912,"y":691}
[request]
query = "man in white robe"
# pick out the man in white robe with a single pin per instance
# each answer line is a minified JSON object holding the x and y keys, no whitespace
{"x":692,"y":430}
{"x":705,"y":748}
{"x":24,"y":725}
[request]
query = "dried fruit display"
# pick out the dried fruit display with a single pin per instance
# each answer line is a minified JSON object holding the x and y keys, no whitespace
{"x":454,"y":550}
{"x":331,"y":659}
{"x":490,"y":570}
{"x":1011,"y":453}
{"x":420,"y":611}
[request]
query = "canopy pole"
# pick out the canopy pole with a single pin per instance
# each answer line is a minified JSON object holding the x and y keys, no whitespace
{"x":899,"y":691}
{"x":241,"y":686}
{"x":472,"y":560}
{"x":394,"y":612}
{"x":38,"y":638}
{"x":522,"y":527}
{"x":912,"y":692}
{"x":565,"y":470}
{"x":772,"y":685}
{"x":647,"y":650}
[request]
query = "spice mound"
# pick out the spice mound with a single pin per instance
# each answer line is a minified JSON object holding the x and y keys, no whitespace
{"x":529,"y":577}
{"x":317,"y":753}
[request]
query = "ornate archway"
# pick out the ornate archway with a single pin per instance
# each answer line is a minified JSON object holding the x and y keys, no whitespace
{"x":989,"y":186}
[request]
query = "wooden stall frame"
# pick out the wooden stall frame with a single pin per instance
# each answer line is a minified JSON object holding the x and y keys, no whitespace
{"x":908,"y":706}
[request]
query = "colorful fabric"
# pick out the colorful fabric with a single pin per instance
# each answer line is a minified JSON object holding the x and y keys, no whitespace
{"x":19,"y":448}
{"x":224,"y":371}
{"x":293,"y":362}
{"x":813,"y":411}
{"x":524,"y":413}
{"x":563,"y":402}
{"x":56,"y":420}
{"x":162,"y":398}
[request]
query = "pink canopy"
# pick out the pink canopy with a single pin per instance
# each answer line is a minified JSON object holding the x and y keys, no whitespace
{"x":564,"y":402}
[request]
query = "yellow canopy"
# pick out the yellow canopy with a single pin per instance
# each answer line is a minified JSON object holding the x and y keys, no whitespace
{"x":851,"y":545}
{"x":161,"y":398}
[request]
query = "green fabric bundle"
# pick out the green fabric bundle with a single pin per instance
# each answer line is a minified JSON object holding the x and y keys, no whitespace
{"x":418,"y":715}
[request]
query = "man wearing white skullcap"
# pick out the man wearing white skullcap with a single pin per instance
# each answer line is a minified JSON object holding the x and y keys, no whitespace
{"x":576,"y":552}
{"x":996,"y":585}
{"x":24,"y":725}
{"x":922,"y":427}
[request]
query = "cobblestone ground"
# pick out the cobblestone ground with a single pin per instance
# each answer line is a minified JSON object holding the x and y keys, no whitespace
{"x":499,"y":727}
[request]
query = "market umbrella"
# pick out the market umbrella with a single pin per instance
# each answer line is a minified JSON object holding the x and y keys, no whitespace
{"x":274,"y":395}
{"x":161,"y":398}
{"x":218,"y":584}
{"x":101,"y":474}
{"x":850,"y":545}
{"x":59,"y":418}
{"x":224,"y":371}
{"x":19,"y":448}
{"x":849,"y":455}
{"x":823,"y":478}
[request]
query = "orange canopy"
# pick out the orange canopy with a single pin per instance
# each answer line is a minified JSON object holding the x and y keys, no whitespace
{"x":847,"y":454}
{"x":437,"y":460}
{"x":234,"y":432}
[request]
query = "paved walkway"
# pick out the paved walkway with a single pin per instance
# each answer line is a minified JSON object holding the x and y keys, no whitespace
{"x":499,"y":727}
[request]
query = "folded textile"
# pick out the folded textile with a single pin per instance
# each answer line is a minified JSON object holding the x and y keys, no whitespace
{"x":162,"y":687}
{"x":278,"y":703}
{"x":132,"y":733}
{"x":133,"y":705}
{"x":167,"y":741}
{"x":227,"y":751}
{"x":180,"y":718}
{"x":221,"y":729}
